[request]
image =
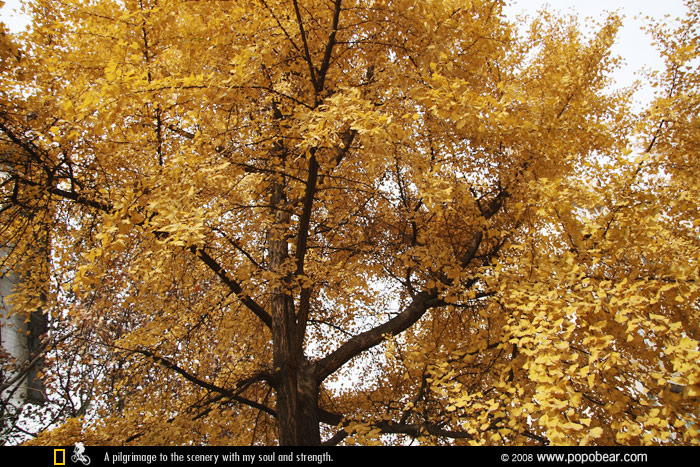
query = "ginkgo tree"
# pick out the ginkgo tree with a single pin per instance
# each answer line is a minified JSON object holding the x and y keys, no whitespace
{"x":351,"y":221}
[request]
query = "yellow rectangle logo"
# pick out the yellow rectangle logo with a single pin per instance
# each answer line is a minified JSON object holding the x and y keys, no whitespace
{"x":59,"y":457}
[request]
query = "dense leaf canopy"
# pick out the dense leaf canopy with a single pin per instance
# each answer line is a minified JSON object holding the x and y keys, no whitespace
{"x":351,"y":221}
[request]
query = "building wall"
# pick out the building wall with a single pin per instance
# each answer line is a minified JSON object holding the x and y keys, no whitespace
{"x":12,"y":331}
{"x":21,"y":339}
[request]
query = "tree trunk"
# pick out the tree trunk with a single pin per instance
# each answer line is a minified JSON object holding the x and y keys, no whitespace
{"x":297,"y":405}
{"x":294,"y":377}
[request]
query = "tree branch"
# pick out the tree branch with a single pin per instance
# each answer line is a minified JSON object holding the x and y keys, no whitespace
{"x":307,"y":53}
{"x":421,"y":303}
{"x":301,"y":248}
{"x":83,"y":200}
{"x":232,"y":284}
{"x":366,"y":340}
{"x":322,"y":72}
{"x":233,"y":395}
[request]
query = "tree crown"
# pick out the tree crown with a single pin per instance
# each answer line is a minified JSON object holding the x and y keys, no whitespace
{"x":229,"y":210}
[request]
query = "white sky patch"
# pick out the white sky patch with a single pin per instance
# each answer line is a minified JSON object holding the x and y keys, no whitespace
{"x":9,"y":14}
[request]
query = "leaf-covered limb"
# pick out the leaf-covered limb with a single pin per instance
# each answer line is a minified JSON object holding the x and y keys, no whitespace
{"x":368,"y":339}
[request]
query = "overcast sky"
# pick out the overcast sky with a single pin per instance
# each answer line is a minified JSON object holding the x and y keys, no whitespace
{"x":632,"y":44}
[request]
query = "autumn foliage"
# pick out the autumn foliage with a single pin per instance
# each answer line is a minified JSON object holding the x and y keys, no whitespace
{"x":352,"y":221}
